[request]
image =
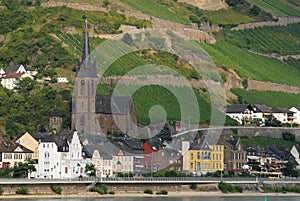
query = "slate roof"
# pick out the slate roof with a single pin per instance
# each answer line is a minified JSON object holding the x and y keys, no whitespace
{"x":56,"y":113}
{"x":11,"y":69}
{"x":262,"y":108}
{"x":297,"y":107}
{"x":237,"y":108}
{"x":107,"y":104}
{"x":9,"y":147}
{"x":281,"y":110}
{"x":203,"y":145}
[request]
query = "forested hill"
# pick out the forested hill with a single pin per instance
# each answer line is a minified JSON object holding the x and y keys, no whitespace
{"x":47,"y":36}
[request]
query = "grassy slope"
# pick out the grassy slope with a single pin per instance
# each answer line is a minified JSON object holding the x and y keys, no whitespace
{"x":278,"y":7}
{"x":153,"y":8}
{"x":283,"y":40}
{"x":252,"y":66}
{"x":228,"y":16}
{"x":270,"y":98}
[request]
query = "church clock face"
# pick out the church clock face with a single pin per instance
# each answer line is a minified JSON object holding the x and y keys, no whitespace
{"x":82,"y":82}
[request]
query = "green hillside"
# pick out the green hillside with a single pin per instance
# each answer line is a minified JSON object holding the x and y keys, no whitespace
{"x":279,"y":7}
{"x":270,"y":98}
{"x":50,"y":39}
{"x":249,"y":65}
{"x":283,"y":40}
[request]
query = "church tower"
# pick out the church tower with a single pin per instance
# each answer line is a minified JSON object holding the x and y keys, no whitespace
{"x":84,"y":96}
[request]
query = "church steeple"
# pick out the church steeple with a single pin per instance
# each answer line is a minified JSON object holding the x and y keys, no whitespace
{"x":86,"y":43}
{"x":87,"y":67}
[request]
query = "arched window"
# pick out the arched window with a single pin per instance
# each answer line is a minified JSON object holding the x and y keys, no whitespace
{"x":82,"y":120}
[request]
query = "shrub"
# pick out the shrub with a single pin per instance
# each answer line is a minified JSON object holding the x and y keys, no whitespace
{"x":162,"y":192}
{"x":1,"y":190}
{"x":225,"y":188}
{"x":102,"y":189}
{"x":22,"y":191}
{"x":56,"y":189}
{"x":111,"y":192}
{"x":148,"y":191}
{"x":238,"y":189}
{"x":193,"y":186}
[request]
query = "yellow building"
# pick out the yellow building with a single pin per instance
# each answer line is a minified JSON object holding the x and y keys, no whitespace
{"x":204,"y":156}
{"x":29,"y":142}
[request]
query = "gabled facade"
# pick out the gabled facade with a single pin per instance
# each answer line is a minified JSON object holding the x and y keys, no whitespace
{"x":13,"y":153}
{"x":29,"y":142}
{"x":295,"y":156}
{"x":244,"y":113}
{"x":235,"y":157}
{"x":296,"y":118}
{"x":122,"y":163}
{"x":60,"y":158}
{"x":11,"y":77}
{"x":203,"y":157}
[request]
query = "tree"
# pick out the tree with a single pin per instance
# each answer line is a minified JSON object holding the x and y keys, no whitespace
{"x":22,"y":170}
{"x":90,"y":170}
{"x":288,"y":137}
{"x":106,"y":3}
{"x":26,"y":85}
{"x":127,"y":39}
{"x":289,"y":170}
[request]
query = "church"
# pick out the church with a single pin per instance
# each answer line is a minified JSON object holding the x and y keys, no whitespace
{"x":95,"y":114}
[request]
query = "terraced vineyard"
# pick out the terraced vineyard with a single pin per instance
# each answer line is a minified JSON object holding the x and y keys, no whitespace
{"x":149,"y":96}
{"x":249,"y":65}
{"x":75,"y":42}
{"x":153,"y":8}
{"x":293,"y":62}
{"x":283,"y":40}
{"x":270,"y":98}
{"x":279,"y":7}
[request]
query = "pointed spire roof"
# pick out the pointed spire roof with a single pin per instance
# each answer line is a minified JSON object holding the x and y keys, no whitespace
{"x":86,"y":43}
{"x":87,"y":68}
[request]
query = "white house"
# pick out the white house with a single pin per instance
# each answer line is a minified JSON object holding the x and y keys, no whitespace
{"x":296,"y":111}
{"x":295,"y":155}
{"x":122,"y":163}
{"x":11,"y":77}
{"x":60,"y":158}
{"x":2,"y":72}
{"x":13,"y":153}
{"x":246,"y":112}
{"x":62,"y":80}
{"x":283,"y":115}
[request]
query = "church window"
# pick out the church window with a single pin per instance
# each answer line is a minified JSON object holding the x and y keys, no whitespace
{"x":93,"y":86}
{"x":82,"y":121}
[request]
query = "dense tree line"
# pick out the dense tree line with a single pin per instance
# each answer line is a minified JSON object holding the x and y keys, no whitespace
{"x":27,"y":109}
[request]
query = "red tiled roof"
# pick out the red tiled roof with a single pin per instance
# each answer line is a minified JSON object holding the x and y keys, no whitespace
{"x":12,"y":75}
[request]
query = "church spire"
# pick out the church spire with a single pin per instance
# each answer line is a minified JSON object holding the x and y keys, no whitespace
{"x":86,"y":44}
{"x":87,"y":67}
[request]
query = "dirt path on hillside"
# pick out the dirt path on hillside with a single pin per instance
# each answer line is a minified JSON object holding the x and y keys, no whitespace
{"x":282,"y":21}
{"x":270,"y":86}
